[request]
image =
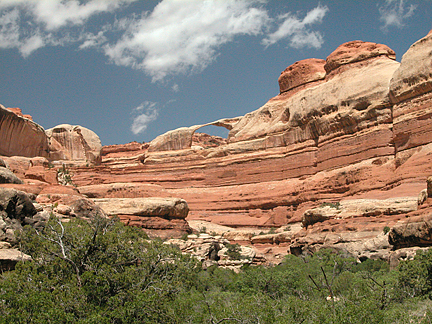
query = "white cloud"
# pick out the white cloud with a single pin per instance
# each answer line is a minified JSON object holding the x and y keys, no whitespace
{"x":176,"y":37}
{"x":31,"y":24}
{"x":394,"y":13}
{"x":183,"y":36}
{"x":9,"y":29}
{"x":54,"y":14}
{"x":297,"y":30}
{"x":145,"y":113}
{"x":175,"y":87}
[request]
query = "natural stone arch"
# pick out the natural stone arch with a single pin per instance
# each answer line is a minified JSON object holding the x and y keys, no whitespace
{"x":181,"y":138}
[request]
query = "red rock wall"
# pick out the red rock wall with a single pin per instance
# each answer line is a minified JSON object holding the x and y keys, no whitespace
{"x":359,"y":131}
{"x":21,"y":136}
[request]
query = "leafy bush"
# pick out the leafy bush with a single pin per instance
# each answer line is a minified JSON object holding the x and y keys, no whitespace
{"x":105,"y":272}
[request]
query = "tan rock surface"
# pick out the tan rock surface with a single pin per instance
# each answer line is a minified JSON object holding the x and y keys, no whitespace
{"x":414,"y":76}
{"x":74,"y":143}
{"x":10,"y":257}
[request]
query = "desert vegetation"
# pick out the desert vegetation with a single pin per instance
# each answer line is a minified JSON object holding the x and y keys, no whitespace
{"x":105,"y":272}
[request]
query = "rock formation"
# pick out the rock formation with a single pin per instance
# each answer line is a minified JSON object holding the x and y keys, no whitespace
{"x":74,"y":143}
{"x":21,"y":136}
{"x":344,"y":149}
{"x":163,"y":217}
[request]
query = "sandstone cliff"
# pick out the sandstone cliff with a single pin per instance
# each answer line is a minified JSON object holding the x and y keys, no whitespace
{"x":21,"y":136}
{"x":353,"y":126}
{"x":344,"y":149}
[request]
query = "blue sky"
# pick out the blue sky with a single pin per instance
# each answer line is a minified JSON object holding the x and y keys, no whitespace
{"x":132,"y":70}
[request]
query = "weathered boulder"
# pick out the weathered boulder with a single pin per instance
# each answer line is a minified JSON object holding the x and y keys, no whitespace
{"x":178,"y":139}
{"x":25,"y":138}
{"x":429,"y":187}
{"x":74,"y":143}
{"x":301,"y":72}
{"x":158,"y":216}
{"x":15,"y":204}
{"x":7,"y":176}
{"x":360,"y":208}
{"x":181,"y":138}
{"x":155,"y":206}
{"x":415,"y":233}
{"x":356,"y":51}
{"x":10,"y":257}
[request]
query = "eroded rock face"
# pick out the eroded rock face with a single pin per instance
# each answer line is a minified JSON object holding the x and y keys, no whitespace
{"x":410,"y":91}
{"x":74,"y":143}
{"x":25,"y":138}
{"x":414,"y":76}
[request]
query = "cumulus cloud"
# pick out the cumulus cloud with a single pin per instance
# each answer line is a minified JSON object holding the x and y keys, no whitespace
{"x":176,"y":37}
{"x":31,"y":24}
{"x":183,"y":36}
{"x":297,"y":30}
{"x":395,"y":13}
{"x":144,"y":114}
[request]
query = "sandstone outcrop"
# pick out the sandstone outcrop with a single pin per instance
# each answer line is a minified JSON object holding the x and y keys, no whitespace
{"x":356,"y":51}
{"x":21,"y":136}
{"x":158,"y":216}
{"x":74,"y":143}
{"x":7,"y":176}
{"x":301,"y":73}
{"x":359,"y":208}
{"x":18,"y":112}
{"x":10,"y":257}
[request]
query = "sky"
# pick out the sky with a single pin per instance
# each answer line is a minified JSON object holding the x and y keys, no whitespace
{"x":131,"y":70}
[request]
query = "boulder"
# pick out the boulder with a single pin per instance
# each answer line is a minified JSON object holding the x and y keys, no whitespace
{"x":178,"y":139}
{"x":359,"y":208}
{"x":163,"y":217}
{"x":7,"y":176}
{"x":356,"y":51}
{"x":422,"y":197}
{"x":301,"y":72}
{"x":415,"y":233}
{"x":25,"y":137}
{"x":10,"y":257}
{"x":15,"y":204}
{"x":74,"y":143}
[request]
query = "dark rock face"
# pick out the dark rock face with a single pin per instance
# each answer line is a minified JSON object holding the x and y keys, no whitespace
{"x":7,"y":176}
{"x":15,"y":204}
{"x":418,"y":233}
